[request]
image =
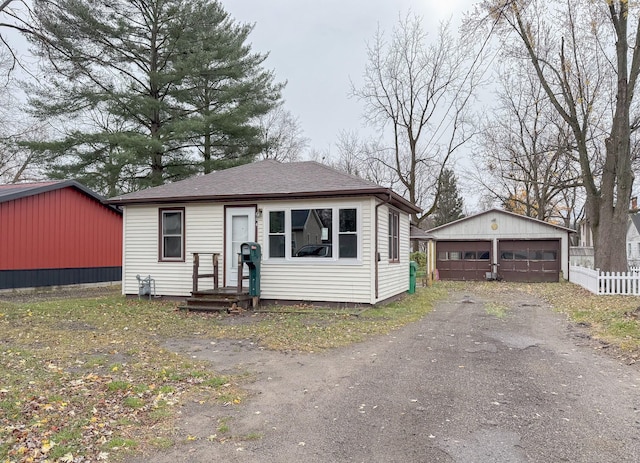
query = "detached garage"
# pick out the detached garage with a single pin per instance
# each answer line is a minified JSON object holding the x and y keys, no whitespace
{"x":501,"y":245}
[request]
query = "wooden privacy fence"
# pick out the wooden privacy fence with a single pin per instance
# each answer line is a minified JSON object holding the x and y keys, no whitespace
{"x":598,"y":282}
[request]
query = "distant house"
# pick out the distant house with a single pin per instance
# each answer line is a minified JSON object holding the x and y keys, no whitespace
{"x":497,"y":244}
{"x":583,"y":255}
{"x":633,"y":240}
{"x":57,"y":233}
{"x":326,"y":236}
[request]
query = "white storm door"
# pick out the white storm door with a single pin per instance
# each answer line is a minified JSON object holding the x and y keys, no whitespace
{"x":240,"y":228}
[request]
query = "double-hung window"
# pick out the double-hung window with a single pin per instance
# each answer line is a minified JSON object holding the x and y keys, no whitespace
{"x":394,"y":236}
{"x":172,"y":234}
{"x":321,"y":234}
{"x":277,"y":237}
{"x":348,"y":233}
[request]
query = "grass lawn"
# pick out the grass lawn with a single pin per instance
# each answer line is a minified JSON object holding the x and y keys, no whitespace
{"x":89,"y":379}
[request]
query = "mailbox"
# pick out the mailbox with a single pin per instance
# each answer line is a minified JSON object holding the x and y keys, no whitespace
{"x":251,"y":254}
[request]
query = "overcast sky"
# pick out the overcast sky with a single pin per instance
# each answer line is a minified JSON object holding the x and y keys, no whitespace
{"x":318,"y":46}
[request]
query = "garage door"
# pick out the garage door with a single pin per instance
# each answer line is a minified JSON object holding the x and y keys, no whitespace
{"x":529,"y":260}
{"x":463,"y":260}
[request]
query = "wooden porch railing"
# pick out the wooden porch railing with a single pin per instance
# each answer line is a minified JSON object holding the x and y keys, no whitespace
{"x":196,"y":269}
{"x":241,"y":273}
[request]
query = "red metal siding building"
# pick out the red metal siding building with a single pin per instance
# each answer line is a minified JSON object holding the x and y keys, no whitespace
{"x":57,"y":233}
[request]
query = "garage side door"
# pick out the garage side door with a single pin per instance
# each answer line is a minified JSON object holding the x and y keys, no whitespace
{"x":463,"y":260}
{"x":529,"y":261}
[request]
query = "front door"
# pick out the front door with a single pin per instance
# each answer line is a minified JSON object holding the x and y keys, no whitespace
{"x":240,"y":228}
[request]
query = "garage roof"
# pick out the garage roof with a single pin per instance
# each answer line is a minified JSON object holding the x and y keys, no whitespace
{"x":500,"y":211}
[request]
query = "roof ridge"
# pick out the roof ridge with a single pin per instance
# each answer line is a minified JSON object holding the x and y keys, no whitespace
{"x":261,"y":180}
{"x":340,"y":171}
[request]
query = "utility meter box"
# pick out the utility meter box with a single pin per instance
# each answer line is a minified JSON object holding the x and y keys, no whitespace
{"x":251,"y":254}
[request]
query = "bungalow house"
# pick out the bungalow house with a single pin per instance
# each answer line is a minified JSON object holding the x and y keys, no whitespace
{"x":325,"y":236}
{"x":57,"y":233}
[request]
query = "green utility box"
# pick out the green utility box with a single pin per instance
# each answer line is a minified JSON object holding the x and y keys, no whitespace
{"x":413,"y":274}
{"x":251,"y":254}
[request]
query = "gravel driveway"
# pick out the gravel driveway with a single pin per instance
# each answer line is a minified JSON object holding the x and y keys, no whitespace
{"x":459,"y":386}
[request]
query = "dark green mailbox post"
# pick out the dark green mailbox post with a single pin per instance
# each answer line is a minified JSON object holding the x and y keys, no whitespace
{"x":251,"y":255}
{"x":413,"y":274}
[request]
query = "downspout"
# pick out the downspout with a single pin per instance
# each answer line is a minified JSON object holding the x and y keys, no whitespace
{"x":377,"y":252}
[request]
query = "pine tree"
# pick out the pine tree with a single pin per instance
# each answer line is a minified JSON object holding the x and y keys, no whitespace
{"x":449,"y":203}
{"x":225,"y":88}
{"x":142,"y":64}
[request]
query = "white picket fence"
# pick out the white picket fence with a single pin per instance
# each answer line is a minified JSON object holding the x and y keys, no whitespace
{"x":625,"y":283}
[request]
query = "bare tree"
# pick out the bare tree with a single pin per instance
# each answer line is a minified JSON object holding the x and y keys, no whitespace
{"x":587,"y":57}
{"x":527,"y":150}
{"x":7,"y":13}
{"x":282,"y":136}
{"x":16,"y":163}
{"x":15,"y":15}
{"x":360,"y":157}
{"x":420,"y":92}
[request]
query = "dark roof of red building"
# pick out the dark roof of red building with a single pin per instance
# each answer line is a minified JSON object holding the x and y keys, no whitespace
{"x":418,"y":234}
{"x":13,"y":191}
{"x":267,"y":179}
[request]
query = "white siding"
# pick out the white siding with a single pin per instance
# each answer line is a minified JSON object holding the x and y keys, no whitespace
{"x":633,"y":245}
{"x":393,"y":276}
{"x":204,"y":233}
{"x":281,"y":279}
{"x":320,"y":280}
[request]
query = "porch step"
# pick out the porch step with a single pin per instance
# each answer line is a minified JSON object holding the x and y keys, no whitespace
{"x":219,"y":300}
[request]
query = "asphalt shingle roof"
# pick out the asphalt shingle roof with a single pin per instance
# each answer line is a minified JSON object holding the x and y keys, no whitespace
{"x":267,"y":179}
{"x":635,"y":219}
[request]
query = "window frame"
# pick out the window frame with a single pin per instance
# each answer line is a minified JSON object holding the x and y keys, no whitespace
{"x":394,"y":236}
{"x":269,"y":234}
{"x":161,"y":236}
{"x":335,"y":234}
{"x":348,"y":232}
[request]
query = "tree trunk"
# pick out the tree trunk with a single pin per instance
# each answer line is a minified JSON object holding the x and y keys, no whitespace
{"x":617,"y":176}
{"x":610,"y":232}
{"x":206,"y":152}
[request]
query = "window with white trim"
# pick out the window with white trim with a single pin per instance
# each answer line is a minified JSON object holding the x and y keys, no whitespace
{"x":172,"y":234}
{"x":394,"y":236}
{"x":348,"y":233}
{"x":277,"y":237}
{"x":320,"y":234}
